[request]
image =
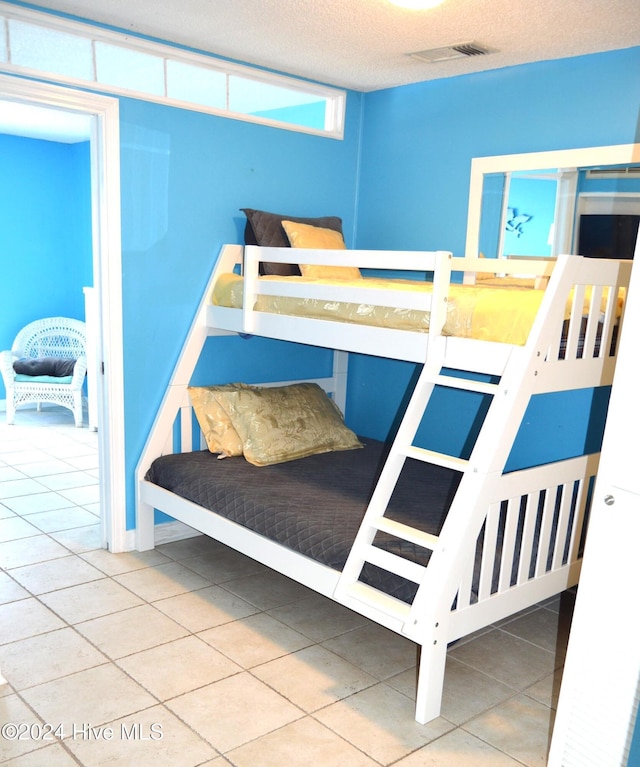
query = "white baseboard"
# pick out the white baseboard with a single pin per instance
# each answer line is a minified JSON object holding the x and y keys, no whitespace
{"x":167,"y":532}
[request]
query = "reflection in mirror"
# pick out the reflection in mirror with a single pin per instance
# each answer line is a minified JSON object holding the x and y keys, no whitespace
{"x":540,"y":205}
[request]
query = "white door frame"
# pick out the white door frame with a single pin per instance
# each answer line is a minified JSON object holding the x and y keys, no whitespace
{"x":107,"y":275}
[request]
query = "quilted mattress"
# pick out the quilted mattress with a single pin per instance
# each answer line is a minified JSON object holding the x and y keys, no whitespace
{"x":314,"y":505}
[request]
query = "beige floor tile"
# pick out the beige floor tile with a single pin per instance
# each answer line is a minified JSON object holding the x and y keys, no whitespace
{"x":545,"y":628}
{"x":80,"y":539}
{"x":67,"y":480}
{"x":45,"y":468}
{"x":57,"y":574}
{"x":224,"y":564}
{"x":521,"y":728}
{"x":62,"y":519}
{"x":151,"y":738}
{"x":379,"y":651}
{"x":547,"y":690}
{"x":116,"y":564}
{"x":72,"y":448}
{"x":14,"y":527}
{"x":318,"y":617}
{"x":509,"y":659}
{"x":205,"y":608}
{"x":31,"y":504}
{"x":380,"y":721}
{"x":313,"y":677}
{"x":82,"y":495}
{"x":300,"y":744}
{"x":13,"y":744}
{"x":95,"y":696}
{"x":195,"y":546}
{"x":162,"y":581}
{"x":234,"y":711}
{"x":255,"y":640}
{"x":130,"y":631}
{"x":185,"y":664}
{"x":466,"y":691}
{"x":26,"y":618}
{"x":8,"y":472}
{"x":90,"y":600}
{"x":51,"y":756}
{"x":267,"y":590}
{"x":83,"y":462}
{"x":10,"y":591}
{"x":5,"y":512}
{"x":28,"y":551}
{"x":458,"y":749}
{"x":44,"y":657}
{"x":20,"y":487}
{"x":21,"y":453}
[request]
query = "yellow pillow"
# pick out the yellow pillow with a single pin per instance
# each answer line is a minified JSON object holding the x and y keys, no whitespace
{"x":316,"y":237}
{"x":481,"y":276}
{"x":215,"y":424}
{"x":284,"y":423}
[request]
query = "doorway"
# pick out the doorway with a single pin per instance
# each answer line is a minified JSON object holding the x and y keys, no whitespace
{"x":101,"y":115}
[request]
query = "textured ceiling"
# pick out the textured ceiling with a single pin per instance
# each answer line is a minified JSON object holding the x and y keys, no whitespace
{"x":358,"y":44}
{"x":364,"y":44}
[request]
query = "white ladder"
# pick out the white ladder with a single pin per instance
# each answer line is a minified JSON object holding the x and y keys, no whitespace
{"x":350,"y":590}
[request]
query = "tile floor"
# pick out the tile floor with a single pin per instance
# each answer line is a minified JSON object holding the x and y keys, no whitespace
{"x":194,"y":655}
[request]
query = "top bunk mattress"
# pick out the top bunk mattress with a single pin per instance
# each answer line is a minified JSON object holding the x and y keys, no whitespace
{"x":498,"y":309}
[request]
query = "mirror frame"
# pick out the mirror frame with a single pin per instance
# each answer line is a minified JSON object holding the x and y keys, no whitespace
{"x":618,"y":154}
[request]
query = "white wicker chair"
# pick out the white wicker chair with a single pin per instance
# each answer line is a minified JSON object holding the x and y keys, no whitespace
{"x":53,"y":337}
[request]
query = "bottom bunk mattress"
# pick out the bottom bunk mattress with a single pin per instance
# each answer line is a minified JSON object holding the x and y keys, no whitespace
{"x":314,"y":505}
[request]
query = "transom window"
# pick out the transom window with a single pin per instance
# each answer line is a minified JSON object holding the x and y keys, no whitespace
{"x":33,"y":43}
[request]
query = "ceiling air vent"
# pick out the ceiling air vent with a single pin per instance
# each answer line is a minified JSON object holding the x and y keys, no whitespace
{"x":449,"y":52}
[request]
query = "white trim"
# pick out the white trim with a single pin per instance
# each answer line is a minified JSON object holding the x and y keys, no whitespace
{"x":107,"y":270}
{"x":564,"y":158}
{"x":609,"y":203}
{"x":334,"y":98}
{"x":165,"y":532}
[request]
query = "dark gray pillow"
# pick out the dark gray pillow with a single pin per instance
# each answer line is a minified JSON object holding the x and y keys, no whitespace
{"x":263,"y":228}
{"x":44,"y":366}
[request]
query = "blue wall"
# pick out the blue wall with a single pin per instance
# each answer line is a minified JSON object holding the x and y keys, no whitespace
{"x":45,"y":226}
{"x":184,"y":177}
{"x":399,"y":180}
{"x":418,"y":143}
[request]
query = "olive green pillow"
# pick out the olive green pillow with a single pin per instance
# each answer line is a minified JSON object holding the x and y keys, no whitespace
{"x":284,"y":423}
{"x":215,"y":424}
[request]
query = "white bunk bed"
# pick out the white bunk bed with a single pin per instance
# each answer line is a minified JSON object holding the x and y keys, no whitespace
{"x":508,"y":540}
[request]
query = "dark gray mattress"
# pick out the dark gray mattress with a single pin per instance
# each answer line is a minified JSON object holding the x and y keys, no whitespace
{"x":314,"y":505}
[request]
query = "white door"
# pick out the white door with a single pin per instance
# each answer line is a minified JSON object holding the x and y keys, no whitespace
{"x":599,"y":694}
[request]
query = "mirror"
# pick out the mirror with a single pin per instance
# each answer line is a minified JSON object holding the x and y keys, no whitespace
{"x":542,"y":204}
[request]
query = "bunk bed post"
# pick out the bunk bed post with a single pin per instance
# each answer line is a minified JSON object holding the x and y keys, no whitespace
{"x":431,"y":665}
{"x":340,"y":367}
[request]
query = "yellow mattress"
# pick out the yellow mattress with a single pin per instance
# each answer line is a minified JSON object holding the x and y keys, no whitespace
{"x":502,"y":312}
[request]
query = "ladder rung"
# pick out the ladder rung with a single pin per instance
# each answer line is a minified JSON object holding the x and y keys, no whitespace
{"x":431,"y":456}
{"x":394,"y":564}
{"x":390,"y":606}
{"x":411,"y":534}
{"x":454,"y":382}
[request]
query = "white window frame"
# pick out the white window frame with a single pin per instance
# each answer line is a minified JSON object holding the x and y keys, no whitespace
{"x":333,"y":98}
